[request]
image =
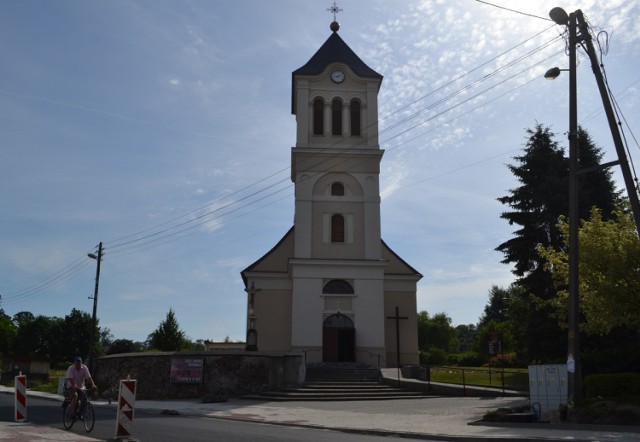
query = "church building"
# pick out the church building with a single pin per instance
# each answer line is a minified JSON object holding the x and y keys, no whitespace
{"x":331,"y":287}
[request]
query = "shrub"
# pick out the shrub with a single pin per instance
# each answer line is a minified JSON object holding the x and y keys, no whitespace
{"x":612,"y":384}
{"x":505,"y":360}
{"x":433,"y":356}
{"x":467,"y":359}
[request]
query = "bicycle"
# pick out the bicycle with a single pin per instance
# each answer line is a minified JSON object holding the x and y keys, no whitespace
{"x":84,"y":411}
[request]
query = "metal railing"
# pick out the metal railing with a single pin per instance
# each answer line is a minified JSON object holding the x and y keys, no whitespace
{"x":499,"y":378}
{"x":371,"y":353}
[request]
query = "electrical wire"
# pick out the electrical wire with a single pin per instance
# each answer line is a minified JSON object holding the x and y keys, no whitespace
{"x":169,"y":231}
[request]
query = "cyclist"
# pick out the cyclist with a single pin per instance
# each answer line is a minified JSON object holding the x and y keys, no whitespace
{"x":77,"y":374}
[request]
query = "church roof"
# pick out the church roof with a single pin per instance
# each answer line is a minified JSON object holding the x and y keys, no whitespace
{"x":279,"y":265}
{"x":334,"y":50}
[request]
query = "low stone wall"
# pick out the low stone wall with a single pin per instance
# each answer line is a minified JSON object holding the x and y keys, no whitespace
{"x":224,"y":373}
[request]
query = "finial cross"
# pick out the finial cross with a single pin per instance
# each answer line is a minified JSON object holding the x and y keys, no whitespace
{"x":334,"y":10}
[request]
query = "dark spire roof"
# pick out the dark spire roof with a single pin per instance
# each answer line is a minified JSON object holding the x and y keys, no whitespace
{"x":334,"y":50}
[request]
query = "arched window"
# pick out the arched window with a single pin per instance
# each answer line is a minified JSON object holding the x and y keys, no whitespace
{"x":337,"y":228}
{"x":337,"y":189}
{"x":338,"y":321}
{"x":318,"y":116}
{"x":355,"y":117}
{"x":336,"y":117}
{"x":337,"y":287}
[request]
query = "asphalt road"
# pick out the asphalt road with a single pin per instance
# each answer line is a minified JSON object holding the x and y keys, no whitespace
{"x":158,"y":427}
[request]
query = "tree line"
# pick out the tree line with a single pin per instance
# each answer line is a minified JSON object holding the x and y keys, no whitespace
{"x":61,"y":339}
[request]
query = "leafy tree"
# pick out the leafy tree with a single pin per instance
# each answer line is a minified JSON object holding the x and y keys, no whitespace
{"x":106,"y":338}
{"x":465,"y":337}
{"x":123,"y":346}
{"x":501,"y":315}
{"x":77,"y":334}
{"x":7,"y":333}
{"x":168,"y":336}
{"x":609,"y":287}
{"x":498,"y":307}
{"x":34,"y":335}
{"x":435,"y":332}
{"x":23,"y":318}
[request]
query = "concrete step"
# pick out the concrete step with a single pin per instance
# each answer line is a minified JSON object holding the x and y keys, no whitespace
{"x":340,"y":382}
{"x":281,"y":396}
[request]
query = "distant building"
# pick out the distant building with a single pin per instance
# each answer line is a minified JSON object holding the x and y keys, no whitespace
{"x":213,"y":346}
{"x":33,"y":368}
{"x":331,"y":287}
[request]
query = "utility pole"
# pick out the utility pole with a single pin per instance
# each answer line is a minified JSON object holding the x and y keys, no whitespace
{"x":574,"y":365}
{"x":632,"y":191}
{"x":94,"y":324}
{"x":575,"y":22}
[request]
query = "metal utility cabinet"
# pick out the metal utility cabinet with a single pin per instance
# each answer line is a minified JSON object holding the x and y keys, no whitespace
{"x":548,"y":388}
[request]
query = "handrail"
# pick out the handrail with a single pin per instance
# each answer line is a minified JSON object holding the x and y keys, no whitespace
{"x":372,"y":353}
{"x":307,"y":349}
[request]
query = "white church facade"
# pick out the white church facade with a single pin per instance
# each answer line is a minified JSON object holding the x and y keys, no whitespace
{"x":331,"y":287}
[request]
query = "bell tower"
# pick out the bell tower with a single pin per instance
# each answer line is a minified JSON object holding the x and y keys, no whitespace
{"x":335,"y":166}
{"x":335,"y":163}
{"x":329,"y":286}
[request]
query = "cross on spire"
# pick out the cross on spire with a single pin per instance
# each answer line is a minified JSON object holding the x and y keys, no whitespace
{"x":334,"y":9}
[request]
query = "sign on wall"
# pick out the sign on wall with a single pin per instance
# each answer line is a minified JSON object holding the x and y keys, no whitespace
{"x":186,"y":370}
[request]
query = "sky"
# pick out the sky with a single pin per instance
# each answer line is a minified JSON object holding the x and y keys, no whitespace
{"x":163,"y":129}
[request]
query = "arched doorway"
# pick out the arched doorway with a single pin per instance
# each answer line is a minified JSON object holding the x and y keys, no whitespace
{"x":338,"y":339}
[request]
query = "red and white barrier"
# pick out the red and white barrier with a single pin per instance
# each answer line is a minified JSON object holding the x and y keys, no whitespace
{"x":21,"y":398}
{"x":126,"y":406}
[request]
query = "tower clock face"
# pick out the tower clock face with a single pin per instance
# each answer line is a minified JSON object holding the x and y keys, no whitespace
{"x":337,"y":76}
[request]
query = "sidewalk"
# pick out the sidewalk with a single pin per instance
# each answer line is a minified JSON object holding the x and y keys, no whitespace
{"x":436,"y":418}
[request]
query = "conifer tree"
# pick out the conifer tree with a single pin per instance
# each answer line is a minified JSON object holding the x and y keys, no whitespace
{"x":168,"y":336}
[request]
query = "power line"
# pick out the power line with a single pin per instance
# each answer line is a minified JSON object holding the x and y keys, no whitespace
{"x":513,"y":10}
{"x":170,"y":231}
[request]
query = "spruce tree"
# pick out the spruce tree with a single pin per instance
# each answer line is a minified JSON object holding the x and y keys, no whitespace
{"x":168,"y":336}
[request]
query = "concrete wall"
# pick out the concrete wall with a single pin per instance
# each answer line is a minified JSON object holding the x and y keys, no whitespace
{"x":224,"y":373}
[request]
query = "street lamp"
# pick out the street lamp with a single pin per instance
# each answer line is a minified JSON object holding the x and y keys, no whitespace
{"x":574,"y":367}
{"x":252,"y":333}
{"x":553,"y":73}
{"x":94,"y":325}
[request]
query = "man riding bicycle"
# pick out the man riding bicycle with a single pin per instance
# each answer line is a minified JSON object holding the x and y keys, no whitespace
{"x":77,"y":374}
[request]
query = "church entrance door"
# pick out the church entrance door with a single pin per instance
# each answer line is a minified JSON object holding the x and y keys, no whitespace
{"x":338,"y":339}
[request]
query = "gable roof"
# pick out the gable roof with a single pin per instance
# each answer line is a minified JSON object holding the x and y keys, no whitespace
{"x":334,"y":50}
{"x":402,"y":261}
{"x":264,"y":257}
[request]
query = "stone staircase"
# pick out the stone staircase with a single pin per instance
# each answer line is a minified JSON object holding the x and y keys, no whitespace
{"x":340,"y":382}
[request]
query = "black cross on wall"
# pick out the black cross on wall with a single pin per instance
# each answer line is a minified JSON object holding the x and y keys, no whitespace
{"x":397,"y":317}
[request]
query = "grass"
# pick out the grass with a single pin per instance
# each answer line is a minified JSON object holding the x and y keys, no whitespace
{"x":514,"y":379}
{"x":52,"y":385}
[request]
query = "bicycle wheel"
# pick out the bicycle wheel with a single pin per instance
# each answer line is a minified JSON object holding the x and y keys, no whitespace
{"x":89,"y":417}
{"x":67,"y":419}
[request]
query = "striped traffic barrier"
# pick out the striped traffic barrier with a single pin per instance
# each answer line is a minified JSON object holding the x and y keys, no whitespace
{"x":126,"y":406}
{"x":21,"y":398}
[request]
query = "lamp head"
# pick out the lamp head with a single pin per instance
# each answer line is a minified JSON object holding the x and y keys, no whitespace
{"x":559,"y":16}
{"x":552,"y":73}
